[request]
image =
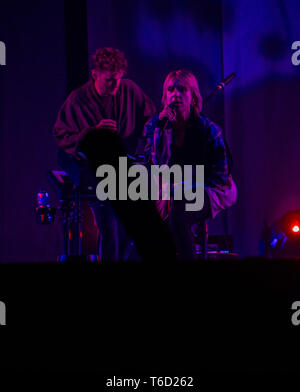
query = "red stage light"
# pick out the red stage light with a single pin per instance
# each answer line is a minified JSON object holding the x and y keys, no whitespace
{"x":284,"y":235}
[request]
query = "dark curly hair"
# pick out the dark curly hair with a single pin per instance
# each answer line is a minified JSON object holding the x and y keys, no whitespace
{"x":110,"y":59}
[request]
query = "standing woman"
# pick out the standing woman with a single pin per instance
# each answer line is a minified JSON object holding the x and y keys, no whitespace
{"x":180,"y":135}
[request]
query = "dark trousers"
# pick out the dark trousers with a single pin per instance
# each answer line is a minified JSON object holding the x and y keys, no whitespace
{"x":183,"y":225}
{"x":113,"y":243}
{"x":151,"y":236}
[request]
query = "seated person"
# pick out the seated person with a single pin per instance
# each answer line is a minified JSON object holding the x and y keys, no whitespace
{"x":107,"y":102}
{"x":180,"y":135}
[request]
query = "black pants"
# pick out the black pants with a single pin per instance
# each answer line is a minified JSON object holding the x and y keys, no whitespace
{"x":114,"y":244}
{"x":151,"y":236}
{"x":183,"y":223}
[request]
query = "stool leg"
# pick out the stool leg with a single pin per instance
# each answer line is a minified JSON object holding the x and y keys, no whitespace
{"x":77,"y":219}
{"x":66,"y":225}
{"x":203,"y":240}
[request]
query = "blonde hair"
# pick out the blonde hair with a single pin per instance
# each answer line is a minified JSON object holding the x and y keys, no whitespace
{"x":189,"y":79}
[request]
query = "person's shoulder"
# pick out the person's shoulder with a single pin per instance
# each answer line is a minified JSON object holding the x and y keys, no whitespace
{"x":128,"y":83}
{"x":132,"y":87}
{"x":131,"y":90}
{"x":151,"y":124}
{"x":80,"y":93}
{"x":153,"y":121}
{"x":212,"y":129}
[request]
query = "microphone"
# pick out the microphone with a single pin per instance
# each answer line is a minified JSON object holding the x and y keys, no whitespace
{"x":163,"y":122}
{"x":220,"y":86}
{"x":226,"y":81}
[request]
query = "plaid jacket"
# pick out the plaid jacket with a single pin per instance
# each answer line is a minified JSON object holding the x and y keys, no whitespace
{"x":203,"y":145}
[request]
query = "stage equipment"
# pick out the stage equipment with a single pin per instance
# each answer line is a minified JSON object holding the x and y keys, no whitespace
{"x":69,"y":210}
{"x":44,"y":213}
{"x":202,"y":249}
{"x":71,"y":196}
{"x":220,"y":87}
{"x":283,"y":237}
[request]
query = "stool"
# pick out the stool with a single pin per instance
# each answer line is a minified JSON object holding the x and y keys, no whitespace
{"x":200,"y":233}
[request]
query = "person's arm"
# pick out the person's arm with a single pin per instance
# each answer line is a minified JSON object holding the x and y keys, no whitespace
{"x":149,"y":130}
{"x":67,"y":129}
{"x":147,"y":110}
{"x":219,"y":184}
{"x":71,"y":126}
{"x":158,"y":142}
{"x":148,"y":107}
{"x":218,"y":165}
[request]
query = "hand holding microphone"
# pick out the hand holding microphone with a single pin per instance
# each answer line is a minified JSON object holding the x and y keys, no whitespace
{"x":167,"y":114}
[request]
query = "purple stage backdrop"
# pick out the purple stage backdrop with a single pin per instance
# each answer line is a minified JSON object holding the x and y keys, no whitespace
{"x":161,"y":36}
{"x":212,"y":38}
{"x":33,"y":86}
{"x":262,"y":113}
